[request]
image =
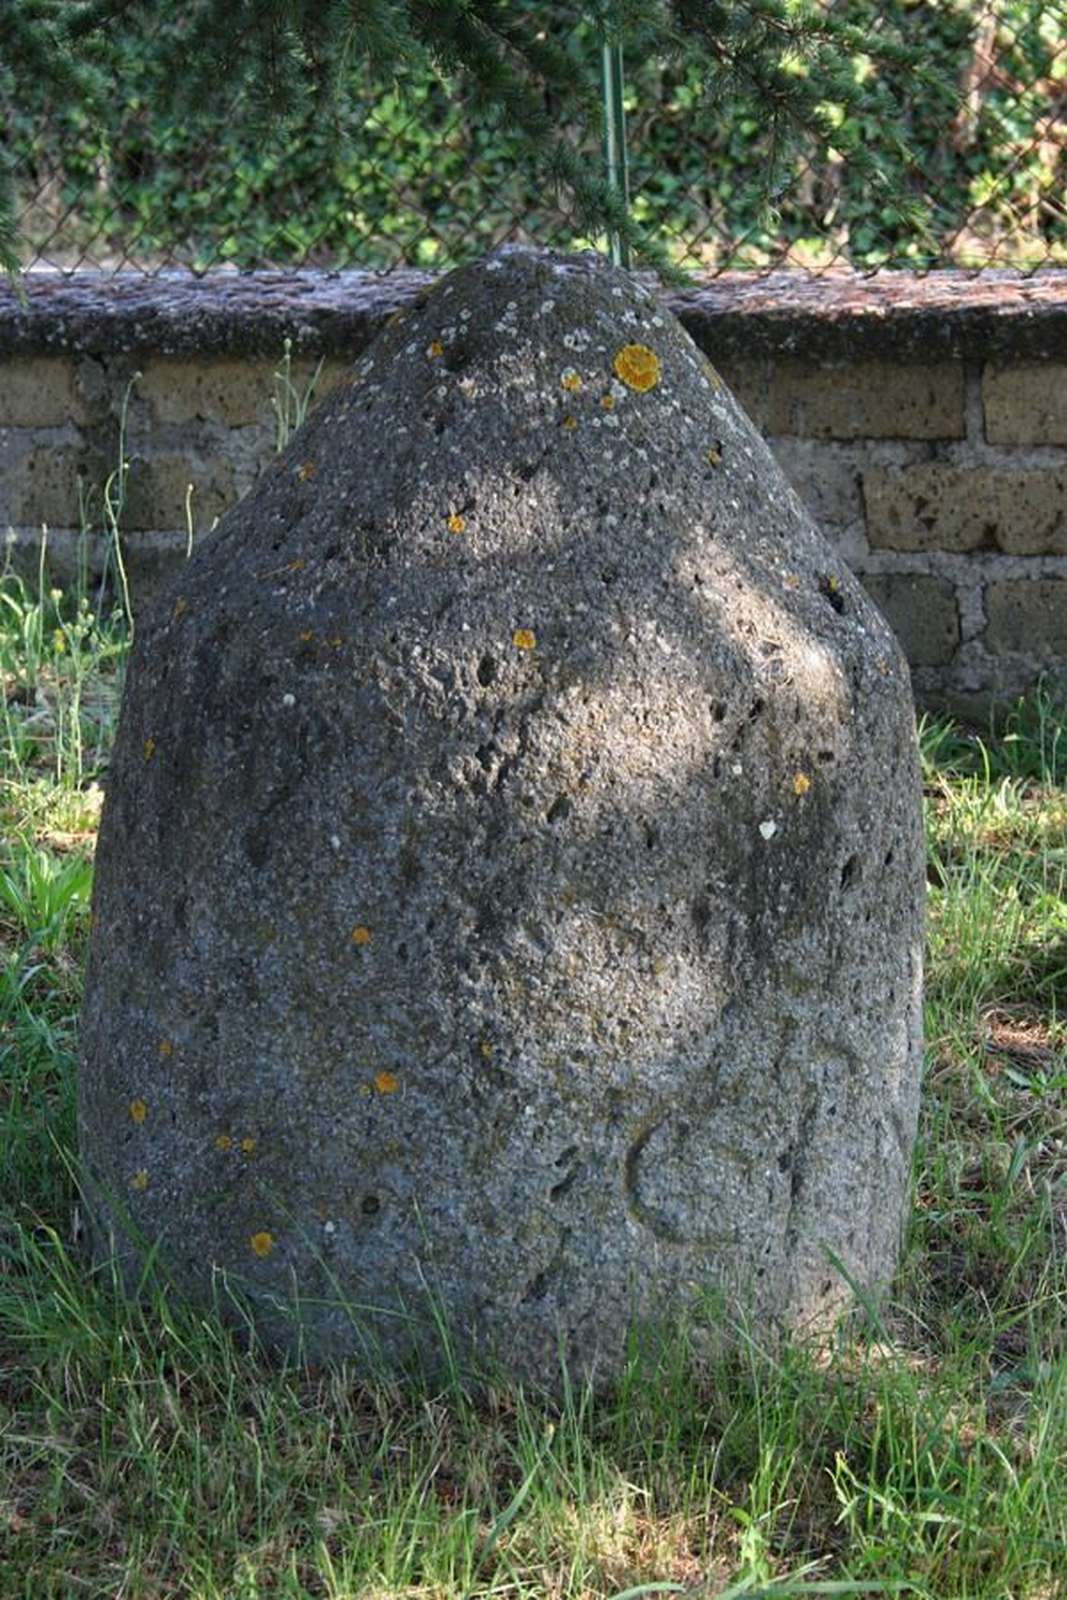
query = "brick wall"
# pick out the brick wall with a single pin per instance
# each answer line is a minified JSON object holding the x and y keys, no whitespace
{"x":924,"y":421}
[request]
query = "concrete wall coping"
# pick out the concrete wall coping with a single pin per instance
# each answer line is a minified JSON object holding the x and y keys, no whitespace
{"x":837,"y":317}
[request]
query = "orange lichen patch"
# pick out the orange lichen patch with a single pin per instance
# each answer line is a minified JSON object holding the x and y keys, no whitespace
{"x":608,"y":402}
{"x":139,"y":1180}
{"x":570,"y":380}
{"x":166,"y":1047}
{"x":435,"y":349}
{"x":457,"y":524}
{"x":181,"y":606}
{"x":801,"y":783}
{"x":261,"y":1244}
{"x":223,"y":1141}
{"x":149,"y":749}
{"x":386,"y":1083}
{"x":307,"y":636}
{"x":138,"y":1110}
{"x":638,"y":367}
{"x":524,"y":639}
{"x":361,"y":935}
{"x":569,"y":422}
{"x":247,"y":1146}
{"x":305,"y":470}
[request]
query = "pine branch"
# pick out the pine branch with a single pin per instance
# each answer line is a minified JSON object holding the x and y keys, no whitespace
{"x":286,"y":56}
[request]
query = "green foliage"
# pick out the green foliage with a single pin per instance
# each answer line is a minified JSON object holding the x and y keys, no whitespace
{"x":260,"y":131}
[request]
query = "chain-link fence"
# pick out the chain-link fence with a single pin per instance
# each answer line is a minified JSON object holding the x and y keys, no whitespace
{"x":401,"y":176}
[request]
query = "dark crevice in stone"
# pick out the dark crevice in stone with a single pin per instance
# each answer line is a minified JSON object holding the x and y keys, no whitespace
{"x":851,"y":872}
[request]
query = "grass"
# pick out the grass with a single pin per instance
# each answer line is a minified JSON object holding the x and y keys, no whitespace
{"x":145,"y":1451}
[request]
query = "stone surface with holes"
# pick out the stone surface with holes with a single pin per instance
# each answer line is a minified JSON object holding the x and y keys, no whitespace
{"x":509,"y":887}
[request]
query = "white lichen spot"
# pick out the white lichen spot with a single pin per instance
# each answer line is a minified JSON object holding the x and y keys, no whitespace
{"x":335,"y":841}
{"x":737,"y":769}
{"x":768,"y":829}
{"x":578,"y":339}
{"x":546,"y":307}
{"x":329,"y":1227}
{"x":288,"y":700}
{"x":493,"y":266}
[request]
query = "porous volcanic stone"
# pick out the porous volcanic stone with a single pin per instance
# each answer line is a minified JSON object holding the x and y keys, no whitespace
{"x":510,"y":879}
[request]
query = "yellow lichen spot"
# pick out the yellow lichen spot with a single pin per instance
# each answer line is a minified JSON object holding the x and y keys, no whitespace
{"x":385,"y":1083}
{"x":435,"y":349}
{"x":608,"y":402}
{"x":138,"y":1110}
{"x":361,"y":935}
{"x":792,"y":581}
{"x":181,"y":606}
{"x":296,"y":566}
{"x":486,"y":1049}
{"x":571,"y":380}
{"x":305,"y":470}
{"x":336,"y":642}
{"x":149,"y":749}
{"x":638,"y":367}
{"x":166,"y":1047}
{"x":569,"y":422}
{"x":711,"y":374}
{"x":713,"y":456}
{"x":248,"y":1145}
{"x":457,"y":524}
{"x":223,"y":1142}
{"x":261,"y":1244}
{"x":801,"y":783}
{"x":139,"y":1180}
{"x":524,"y":639}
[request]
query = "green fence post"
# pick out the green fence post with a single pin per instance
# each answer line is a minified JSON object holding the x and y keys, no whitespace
{"x":615,"y":139}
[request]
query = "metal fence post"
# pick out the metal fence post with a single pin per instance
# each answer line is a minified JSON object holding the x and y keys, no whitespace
{"x":611,"y":71}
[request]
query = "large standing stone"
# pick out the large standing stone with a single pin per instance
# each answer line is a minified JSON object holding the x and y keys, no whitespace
{"x":510,"y":879}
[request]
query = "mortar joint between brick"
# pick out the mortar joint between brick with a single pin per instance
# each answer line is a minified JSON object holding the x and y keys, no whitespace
{"x":973,"y":408}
